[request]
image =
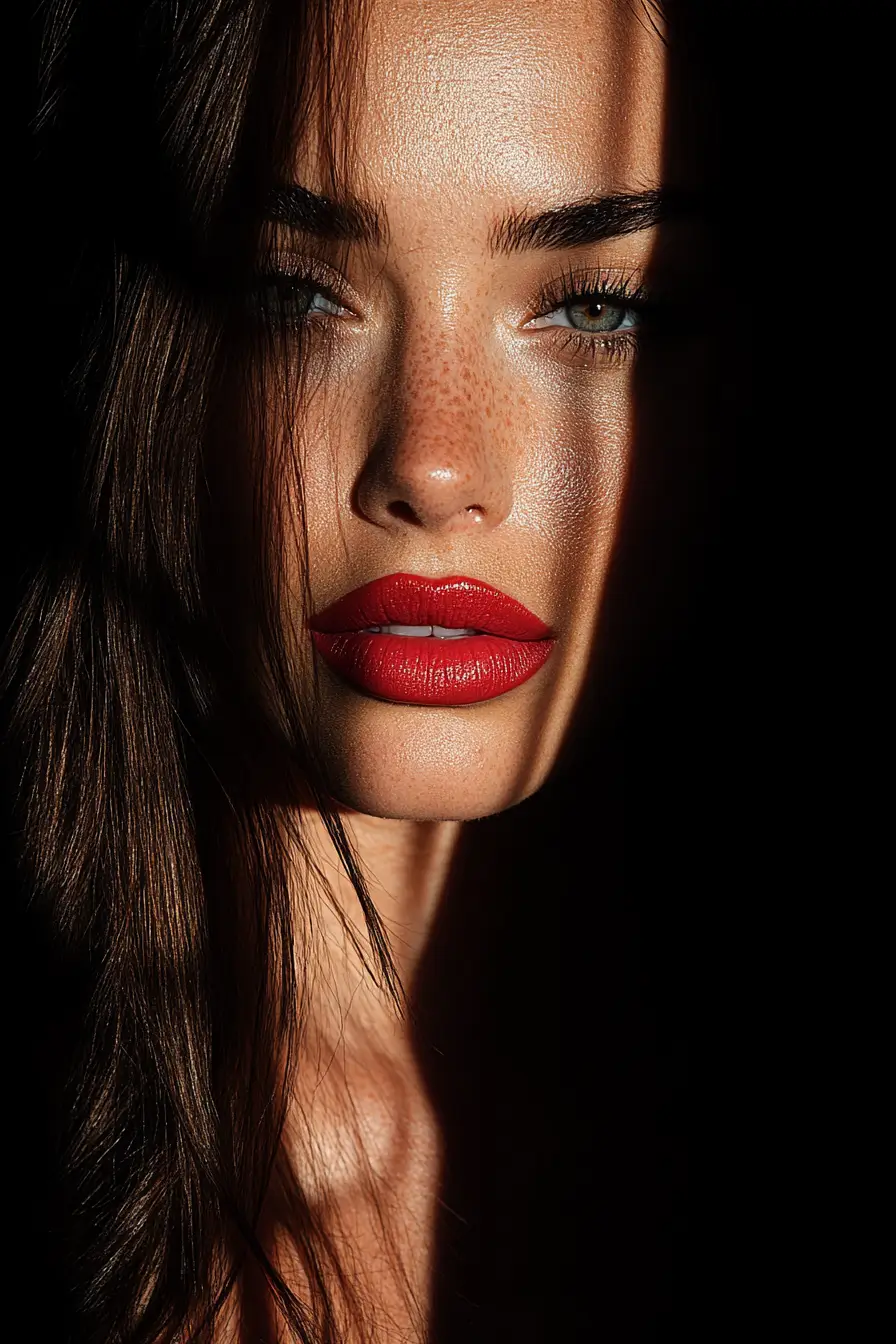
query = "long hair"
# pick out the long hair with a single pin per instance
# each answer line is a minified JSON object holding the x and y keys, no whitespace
{"x":155,"y":738}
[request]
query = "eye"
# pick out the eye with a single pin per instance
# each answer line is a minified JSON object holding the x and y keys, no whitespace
{"x":591,"y":314}
{"x":321,"y":303}
{"x":296,"y":295}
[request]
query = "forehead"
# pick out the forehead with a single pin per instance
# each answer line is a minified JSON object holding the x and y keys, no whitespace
{"x":536,"y":101}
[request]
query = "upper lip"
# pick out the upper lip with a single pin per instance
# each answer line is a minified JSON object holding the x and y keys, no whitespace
{"x":455,"y":602}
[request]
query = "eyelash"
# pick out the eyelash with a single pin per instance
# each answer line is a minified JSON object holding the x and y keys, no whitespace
{"x":308,"y":276}
{"x":618,"y":289}
{"x":621,"y":289}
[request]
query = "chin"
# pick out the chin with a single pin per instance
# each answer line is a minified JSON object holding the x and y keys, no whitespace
{"x":422,"y":764}
{"x":425,"y":799}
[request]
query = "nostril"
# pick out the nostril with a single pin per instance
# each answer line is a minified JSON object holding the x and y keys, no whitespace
{"x":404,"y":512}
{"x":400,"y":509}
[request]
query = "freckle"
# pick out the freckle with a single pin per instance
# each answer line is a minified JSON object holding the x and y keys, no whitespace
{"x":488,"y":411}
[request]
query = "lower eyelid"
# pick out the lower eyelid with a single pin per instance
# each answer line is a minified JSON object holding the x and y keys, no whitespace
{"x":608,"y":348}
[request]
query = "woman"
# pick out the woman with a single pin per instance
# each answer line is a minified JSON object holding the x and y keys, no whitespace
{"x":355,"y":302}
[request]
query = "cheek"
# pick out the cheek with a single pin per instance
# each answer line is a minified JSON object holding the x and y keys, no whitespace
{"x":325,"y":445}
{"x":572,"y":477}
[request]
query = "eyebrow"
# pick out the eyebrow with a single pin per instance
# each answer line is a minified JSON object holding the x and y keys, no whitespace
{"x":595,"y":219}
{"x":349,"y":220}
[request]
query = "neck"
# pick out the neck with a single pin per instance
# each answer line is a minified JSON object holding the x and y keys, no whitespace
{"x":361,"y":1135}
{"x":405,"y":865}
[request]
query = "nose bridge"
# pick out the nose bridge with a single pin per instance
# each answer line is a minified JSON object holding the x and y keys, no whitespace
{"x":437,"y":462}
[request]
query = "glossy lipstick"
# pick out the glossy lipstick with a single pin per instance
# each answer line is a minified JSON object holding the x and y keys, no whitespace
{"x":484,"y":642}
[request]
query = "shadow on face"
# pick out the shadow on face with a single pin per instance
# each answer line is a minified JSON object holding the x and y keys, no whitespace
{"x":473,"y":357}
{"x":549,"y":1006}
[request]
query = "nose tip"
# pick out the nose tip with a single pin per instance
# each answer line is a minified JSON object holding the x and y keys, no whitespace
{"x":428,"y":478}
{"x":445,"y":498}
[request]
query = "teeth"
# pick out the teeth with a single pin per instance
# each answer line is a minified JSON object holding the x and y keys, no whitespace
{"x":418,"y":631}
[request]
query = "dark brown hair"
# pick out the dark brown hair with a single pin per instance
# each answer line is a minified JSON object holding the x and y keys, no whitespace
{"x":152,"y":776}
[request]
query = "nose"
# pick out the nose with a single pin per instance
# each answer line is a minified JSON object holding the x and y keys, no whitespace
{"x":438,"y":461}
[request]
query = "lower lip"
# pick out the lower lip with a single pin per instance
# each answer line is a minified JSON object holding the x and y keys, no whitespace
{"x":414,"y":670}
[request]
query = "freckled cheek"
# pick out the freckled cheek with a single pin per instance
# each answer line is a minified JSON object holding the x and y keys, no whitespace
{"x":571,"y":481}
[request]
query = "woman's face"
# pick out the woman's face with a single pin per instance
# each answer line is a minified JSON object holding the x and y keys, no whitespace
{"x":462,"y":419}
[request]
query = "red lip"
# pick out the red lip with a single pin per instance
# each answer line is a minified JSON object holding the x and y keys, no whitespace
{"x":510,"y":645}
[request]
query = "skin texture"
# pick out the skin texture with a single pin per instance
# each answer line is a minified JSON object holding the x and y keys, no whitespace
{"x":444,"y":435}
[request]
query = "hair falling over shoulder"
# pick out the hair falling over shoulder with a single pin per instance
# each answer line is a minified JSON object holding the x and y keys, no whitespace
{"x":149,"y":847}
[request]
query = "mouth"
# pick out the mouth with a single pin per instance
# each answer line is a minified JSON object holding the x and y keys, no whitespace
{"x":418,"y":641}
